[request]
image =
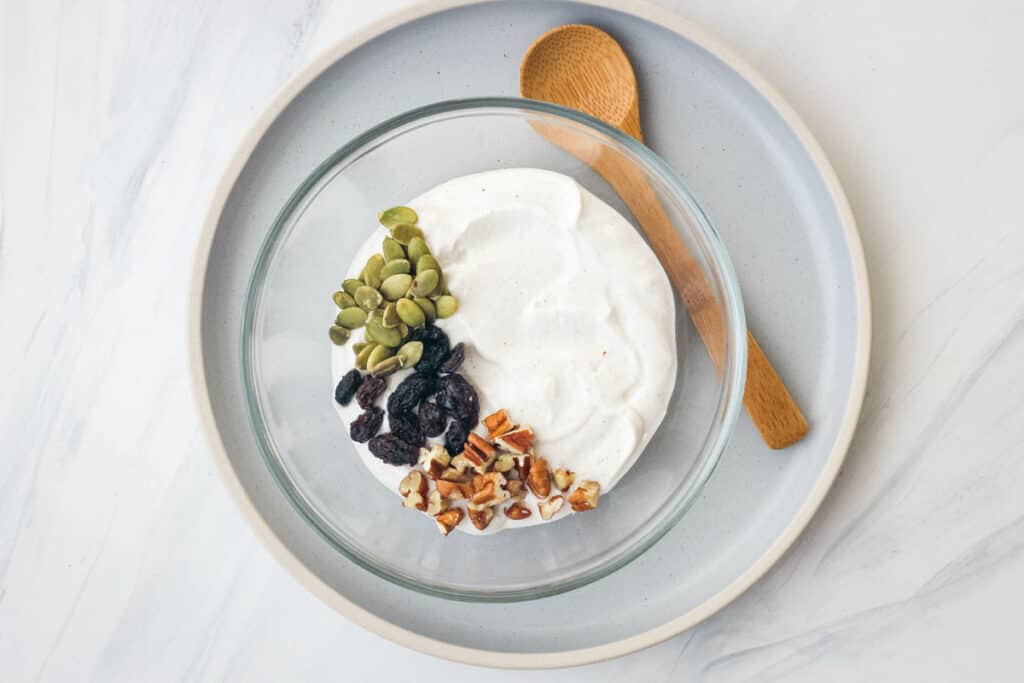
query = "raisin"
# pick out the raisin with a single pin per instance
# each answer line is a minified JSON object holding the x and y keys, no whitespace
{"x":346,"y":388}
{"x":455,"y":437}
{"x":459,"y":399}
{"x":406,"y":426}
{"x":392,"y":450}
{"x":370,"y":390}
{"x":453,"y":361}
{"x":432,"y":358}
{"x":430,"y":334}
{"x":410,"y":392}
{"x":432,"y":419}
{"x":367,"y":425}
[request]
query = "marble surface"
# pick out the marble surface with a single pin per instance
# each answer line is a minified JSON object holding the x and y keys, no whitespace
{"x":122,"y":556}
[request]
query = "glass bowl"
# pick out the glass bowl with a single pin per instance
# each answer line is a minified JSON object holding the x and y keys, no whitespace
{"x":287,"y":369}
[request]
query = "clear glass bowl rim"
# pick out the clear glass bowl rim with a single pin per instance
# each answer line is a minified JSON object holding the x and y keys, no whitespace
{"x":734,"y":366}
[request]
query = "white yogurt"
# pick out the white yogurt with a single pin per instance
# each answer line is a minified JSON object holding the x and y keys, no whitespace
{"x":568,"y":317}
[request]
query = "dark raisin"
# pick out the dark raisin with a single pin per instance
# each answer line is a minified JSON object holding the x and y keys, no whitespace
{"x":410,"y":392}
{"x":430,"y":334}
{"x":366,"y":426}
{"x":453,"y":361}
{"x":406,"y":426}
{"x":370,"y":390}
{"x":347,"y":387}
{"x":432,"y":358}
{"x":432,"y":419}
{"x":459,"y":399}
{"x":455,"y":437}
{"x":392,"y":450}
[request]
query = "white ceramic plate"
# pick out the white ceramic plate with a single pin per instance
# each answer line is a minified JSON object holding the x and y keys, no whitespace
{"x":766,"y":186}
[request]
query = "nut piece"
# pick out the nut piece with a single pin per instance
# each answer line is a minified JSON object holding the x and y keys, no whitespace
{"x":523,"y":466}
{"x":435,"y":503}
{"x":563,"y":478}
{"x":489,"y":489}
{"x":481,"y":517}
{"x":498,"y":424}
{"x":517,"y":511}
{"x":585,"y":496}
{"x":516,"y":490}
{"x":413,"y":488}
{"x":504,"y":463}
{"x":517,"y":441}
{"x":434,"y":460}
{"x":448,"y":520}
{"x":460,"y":463}
{"x":479,"y":452}
{"x":549,"y":507}
{"x":454,"y":490}
{"x":538,"y":479}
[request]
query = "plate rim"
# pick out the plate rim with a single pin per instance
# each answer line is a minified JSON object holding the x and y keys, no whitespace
{"x":684,"y":28}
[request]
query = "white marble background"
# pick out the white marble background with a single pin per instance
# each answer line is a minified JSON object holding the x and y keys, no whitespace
{"x":122,"y":557}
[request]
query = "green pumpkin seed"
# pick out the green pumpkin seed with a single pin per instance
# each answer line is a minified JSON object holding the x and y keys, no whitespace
{"x":343,"y":299}
{"x":371,"y":274}
{"x":405,"y":232}
{"x":351,"y":285}
{"x":417,"y":249}
{"x":387,"y":336}
{"x":396,"y":286}
{"x":392,"y":250}
{"x":425,"y":282}
{"x":428,"y":262}
{"x":351,"y":318}
{"x":446,"y":306}
{"x":404,"y":329}
{"x":396,"y":215}
{"x":410,"y":353}
{"x":339,"y":335}
{"x":377,"y":355}
{"x":367,"y":298}
{"x":399,"y":265}
{"x":411,"y":314}
{"x":376,"y":316}
{"x":364,"y":354}
{"x":391,"y":318}
{"x":429,"y":311}
{"x":359,"y":346}
{"x":387,"y":367}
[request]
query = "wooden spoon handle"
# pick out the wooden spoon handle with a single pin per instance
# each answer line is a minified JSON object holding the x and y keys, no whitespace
{"x":766,"y":398}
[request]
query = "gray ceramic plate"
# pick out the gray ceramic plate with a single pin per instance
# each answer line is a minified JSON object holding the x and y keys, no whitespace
{"x":766,"y":186}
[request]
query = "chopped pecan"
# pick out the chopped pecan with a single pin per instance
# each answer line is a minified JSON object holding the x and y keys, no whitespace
{"x":549,"y":507}
{"x":454,"y":490}
{"x":448,"y":520}
{"x":497,"y":424}
{"x":413,"y":488}
{"x":436,"y":503}
{"x":517,"y":441}
{"x":585,"y":496}
{"x":538,"y":479}
{"x":434,"y":460}
{"x":479,"y":452}
{"x":516,"y":490}
{"x":517,"y":511}
{"x":481,"y":516}
{"x":504,"y":463}
{"x":523,"y":466}
{"x":563,"y":478}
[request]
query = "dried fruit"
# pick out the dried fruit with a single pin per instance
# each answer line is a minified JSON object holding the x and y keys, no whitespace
{"x":453,"y":361}
{"x":432,"y":418}
{"x":371,"y":271}
{"x":518,"y":440}
{"x":498,"y":423}
{"x":367,"y":298}
{"x":392,"y":450}
{"x":538,"y":479}
{"x":351,"y":318}
{"x":396,"y":286}
{"x":585,"y":496}
{"x":343,"y":299}
{"x":563,"y":478}
{"x":448,"y":520}
{"x":433,"y":356}
{"x":370,"y":390}
{"x":347,"y":387}
{"x":455,"y":437}
{"x":351,"y":285}
{"x":399,"y":265}
{"x":411,"y":314}
{"x":366,"y":426}
{"x":446,"y":306}
{"x":406,"y":426}
{"x":517,"y":511}
{"x":338,"y":334}
{"x":431,"y":334}
{"x":417,"y":249}
{"x":481,"y":517}
{"x":425,"y":282}
{"x":386,"y":367}
{"x":405,"y":232}
{"x":429,"y":312}
{"x":410,"y":353}
{"x":459,"y":399}
{"x":549,"y":507}
{"x":392,"y":250}
{"x":397,"y":215}
{"x":409,"y":393}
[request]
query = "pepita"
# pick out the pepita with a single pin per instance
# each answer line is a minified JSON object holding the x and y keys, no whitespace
{"x":339,"y":335}
{"x":364,"y":354}
{"x":425,"y":282}
{"x":410,"y":353}
{"x":399,"y":265}
{"x":351,"y":285}
{"x":377,"y":355}
{"x":391,"y":318}
{"x":417,"y":248}
{"x":372,"y":271}
{"x":428,"y":308}
{"x":367,"y":298}
{"x":387,"y":367}
{"x":392,"y":250}
{"x":386,"y":336}
{"x":396,"y":286}
{"x":411,"y":314}
{"x":396,"y":215}
{"x":343,"y":299}
{"x":359,"y":346}
{"x":427,"y":262}
{"x":351,"y":318}
{"x":446,"y":306}
{"x":404,"y":233}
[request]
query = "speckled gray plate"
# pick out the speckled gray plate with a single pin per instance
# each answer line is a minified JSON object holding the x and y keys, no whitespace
{"x":766,"y":186}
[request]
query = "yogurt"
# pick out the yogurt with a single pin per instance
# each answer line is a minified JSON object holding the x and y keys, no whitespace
{"x":568,"y":319}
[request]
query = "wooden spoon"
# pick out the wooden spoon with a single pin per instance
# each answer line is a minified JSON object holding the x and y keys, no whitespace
{"x":584,"y":68}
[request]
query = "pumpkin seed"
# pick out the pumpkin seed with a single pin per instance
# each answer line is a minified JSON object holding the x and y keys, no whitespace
{"x":429,"y":311}
{"x":372,"y":271}
{"x":396,"y":286}
{"x":375,"y":316}
{"x":359,"y":346}
{"x":417,"y":248}
{"x":351,"y":318}
{"x":411,"y":314}
{"x":386,"y":336}
{"x":410,"y":353}
{"x":425,"y":282}
{"x":339,"y":335}
{"x":391,"y":318}
{"x":404,"y":329}
{"x":351,"y":285}
{"x":387,"y":367}
{"x":446,"y":306}
{"x":364,"y":354}
{"x":367,"y":298}
{"x":396,"y":215}
{"x":399,"y":265}
{"x":428,"y":262}
{"x":377,"y":355}
{"x":343,"y":299}
{"x":392,"y":250}
{"x":405,"y":232}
